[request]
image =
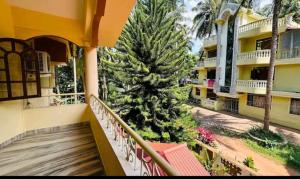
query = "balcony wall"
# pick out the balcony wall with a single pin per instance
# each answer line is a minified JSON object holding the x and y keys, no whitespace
{"x":261,"y":27}
{"x":287,"y":78}
{"x":254,"y":57}
{"x":252,"y":86}
{"x":211,"y":104}
{"x":18,"y":120}
{"x":209,"y":42}
{"x":210,"y":62}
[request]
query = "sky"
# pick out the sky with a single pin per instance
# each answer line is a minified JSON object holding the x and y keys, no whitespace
{"x":189,"y":15}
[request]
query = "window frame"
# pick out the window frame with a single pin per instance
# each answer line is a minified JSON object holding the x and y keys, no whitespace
{"x":290,"y":108}
{"x":252,"y":104}
{"x":24,"y":72}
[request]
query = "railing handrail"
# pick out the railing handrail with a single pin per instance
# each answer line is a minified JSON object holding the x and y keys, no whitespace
{"x":64,"y":94}
{"x":141,"y":142}
{"x":256,"y":51}
{"x":256,"y":24}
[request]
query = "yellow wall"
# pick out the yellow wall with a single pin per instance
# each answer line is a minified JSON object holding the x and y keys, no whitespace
{"x":202,"y":75}
{"x":55,"y":116}
{"x":249,"y":44}
{"x":6,"y":23}
{"x":15,"y":120}
{"x":287,"y":78}
{"x":280,"y":112}
{"x":10,"y":119}
{"x":245,"y":72}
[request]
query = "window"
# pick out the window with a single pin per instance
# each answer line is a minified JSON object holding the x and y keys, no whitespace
{"x":19,"y":77}
{"x":198,"y":92}
{"x":256,"y":100}
{"x":263,"y":44}
{"x":259,"y":73}
{"x":211,"y":95}
{"x":295,"y":106}
{"x":212,"y":53}
{"x":211,"y":74}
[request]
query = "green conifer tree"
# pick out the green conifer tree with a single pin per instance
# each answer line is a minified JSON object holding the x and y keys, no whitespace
{"x":148,"y":60}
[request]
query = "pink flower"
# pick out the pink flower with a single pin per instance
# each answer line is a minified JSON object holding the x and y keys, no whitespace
{"x":205,"y":136}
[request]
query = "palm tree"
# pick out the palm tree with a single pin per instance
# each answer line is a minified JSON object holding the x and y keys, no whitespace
{"x":288,"y":7}
{"x":276,"y":11}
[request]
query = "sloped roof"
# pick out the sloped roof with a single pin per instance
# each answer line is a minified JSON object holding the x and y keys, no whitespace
{"x":180,"y":158}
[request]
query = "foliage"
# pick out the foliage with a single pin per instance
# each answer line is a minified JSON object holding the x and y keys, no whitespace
{"x":249,"y":162}
{"x":206,"y":136}
{"x":288,"y":154}
{"x":266,"y":138}
{"x":288,"y":7}
{"x":181,"y":93}
{"x":147,"y":64}
{"x":65,"y":79}
{"x":214,"y":166}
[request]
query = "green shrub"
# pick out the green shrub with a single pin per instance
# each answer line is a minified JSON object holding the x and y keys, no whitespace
{"x":249,"y":162}
{"x":266,"y":138}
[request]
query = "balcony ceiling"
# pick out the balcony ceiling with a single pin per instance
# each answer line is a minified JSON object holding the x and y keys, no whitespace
{"x":71,"y":9}
{"x":84,"y":22}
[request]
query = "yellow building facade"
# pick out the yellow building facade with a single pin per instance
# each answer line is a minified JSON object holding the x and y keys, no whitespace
{"x":233,"y":75}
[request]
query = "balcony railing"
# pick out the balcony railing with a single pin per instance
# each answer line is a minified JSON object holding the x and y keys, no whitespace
{"x":210,"y":41}
{"x":254,"y":57}
{"x":128,"y":143}
{"x":210,"y":62}
{"x":195,"y":81}
{"x":288,"y":54}
{"x":252,"y":86}
{"x":55,"y":100}
{"x":200,"y":64}
{"x":260,"y":24}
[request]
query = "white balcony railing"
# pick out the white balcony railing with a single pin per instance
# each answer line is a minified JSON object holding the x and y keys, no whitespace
{"x":259,"y":56}
{"x":210,"y":41}
{"x":252,"y":86}
{"x":55,"y":100}
{"x":129,"y":145}
{"x":210,"y":62}
{"x":260,"y":24}
{"x":288,"y":54}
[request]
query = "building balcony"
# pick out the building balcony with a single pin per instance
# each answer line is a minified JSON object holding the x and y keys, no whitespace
{"x":252,"y":86}
{"x":210,"y":41}
{"x":254,"y":57}
{"x":210,"y":62}
{"x":199,"y":65}
{"x":261,"y":27}
{"x":211,"y":104}
{"x":208,"y":83}
{"x":289,"y":56}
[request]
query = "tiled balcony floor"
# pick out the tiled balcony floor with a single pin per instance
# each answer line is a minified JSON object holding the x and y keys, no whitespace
{"x":69,"y":152}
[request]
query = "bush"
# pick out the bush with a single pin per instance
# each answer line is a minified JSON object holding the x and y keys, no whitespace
{"x":267,"y":139}
{"x":206,"y":136}
{"x":249,"y":162}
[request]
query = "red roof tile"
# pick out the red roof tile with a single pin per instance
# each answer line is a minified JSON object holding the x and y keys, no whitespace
{"x":180,"y":158}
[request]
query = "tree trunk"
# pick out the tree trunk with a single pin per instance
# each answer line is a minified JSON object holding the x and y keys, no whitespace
{"x":276,"y":10}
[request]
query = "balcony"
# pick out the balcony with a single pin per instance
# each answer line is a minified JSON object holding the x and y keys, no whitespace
{"x":211,"y":104}
{"x":210,"y":41}
{"x":199,"y":65}
{"x":261,"y":27}
{"x":210,"y":62}
{"x":252,"y":86}
{"x":254,"y":57}
{"x":208,"y":83}
{"x":289,"y":56}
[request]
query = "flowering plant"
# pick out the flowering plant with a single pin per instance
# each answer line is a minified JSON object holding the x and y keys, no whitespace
{"x":205,"y":136}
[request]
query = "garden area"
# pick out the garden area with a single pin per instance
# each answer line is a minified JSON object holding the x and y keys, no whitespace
{"x":267,"y":153}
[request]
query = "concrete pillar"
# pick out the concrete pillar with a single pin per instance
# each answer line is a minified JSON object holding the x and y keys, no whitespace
{"x":91,"y":72}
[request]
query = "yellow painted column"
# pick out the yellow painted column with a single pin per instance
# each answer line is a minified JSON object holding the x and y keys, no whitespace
{"x":91,"y":72}
{"x":6,"y":20}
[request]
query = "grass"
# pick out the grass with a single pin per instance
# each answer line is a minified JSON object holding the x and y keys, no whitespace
{"x":288,"y":154}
